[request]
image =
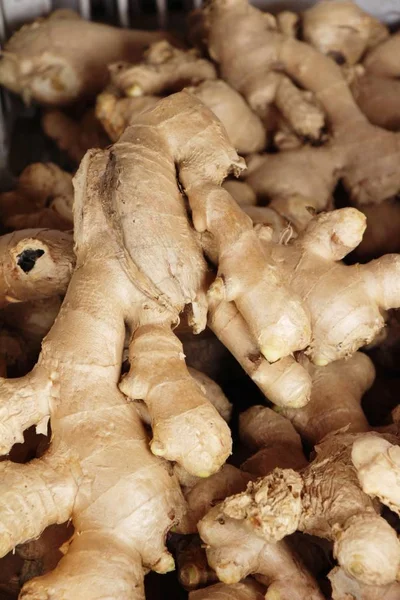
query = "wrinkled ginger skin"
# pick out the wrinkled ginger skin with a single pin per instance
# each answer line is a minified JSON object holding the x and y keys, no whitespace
{"x":234,"y":550}
{"x":345,"y":587}
{"x":166,"y":69}
{"x":99,"y":470}
{"x":342,"y":30}
{"x":260,"y":50}
{"x":35,"y":264}
{"x":326,"y":501}
{"x":42,"y":62}
{"x":311,"y":266}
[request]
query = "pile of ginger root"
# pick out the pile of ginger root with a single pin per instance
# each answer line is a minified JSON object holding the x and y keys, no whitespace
{"x":199,"y":310}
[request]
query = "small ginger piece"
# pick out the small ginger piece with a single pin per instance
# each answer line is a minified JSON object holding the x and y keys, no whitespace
{"x":72,"y":136}
{"x":245,"y":590}
{"x":342,"y":30}
{"x":40,"y":62}
{"x":42,"y":198}
{"x":191,"y":562}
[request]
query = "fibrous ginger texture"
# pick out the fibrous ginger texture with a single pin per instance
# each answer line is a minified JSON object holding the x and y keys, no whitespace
{"x":368,"y":176}
{"x":345,"y":587}
{"x":61,"y":59}
{"x":325,"y":500}
{"x":234,"y":550}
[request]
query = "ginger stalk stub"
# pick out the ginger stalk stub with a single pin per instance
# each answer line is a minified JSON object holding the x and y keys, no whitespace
{"x":329,"y":503}
{"x":36,"y":264}
{"x":41,"y":63}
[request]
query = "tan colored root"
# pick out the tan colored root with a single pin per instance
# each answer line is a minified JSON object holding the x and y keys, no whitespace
{"x":381,"y":60}
{"x":369,"y":177}
{"x":285,"y":382}
{"x":245,"y":590}
{"x":241,"y":192}
{"x":335,"y":403}
{"x":42,"y":198}
{"x":164,"y":69}
{"x":59,"y":73}
{"x":35,"y":264}
{"x":244,"y":128}
{"x":273,"y":440}
{"x":342,"y":30}
{"x":345,"y":587}
{"x":192,"y":566}
{"x":323,"y":500}
{"x":377,"y":462}
{"x":208,"y":387}
{"x":72,"y":136}
{"x":115,"y":113}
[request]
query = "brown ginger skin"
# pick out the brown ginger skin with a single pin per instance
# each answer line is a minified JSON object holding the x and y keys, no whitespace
{"x":42,"y":198}
{"x":86,"y":467}
{"x":165,"y":69}
{"x":42,"y":63}
{"x":74,"y":136}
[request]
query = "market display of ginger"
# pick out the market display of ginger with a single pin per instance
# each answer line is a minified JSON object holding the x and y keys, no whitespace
{"x":216,"y":235}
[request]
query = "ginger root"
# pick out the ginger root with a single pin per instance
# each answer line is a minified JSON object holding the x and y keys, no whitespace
{"x":325,"y":500}
{"x":73,"y":136}
{"x":166,"y":69}
{"x":262,"y":49}
{"x":42,"y":198}
{"x":41,"y":63}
